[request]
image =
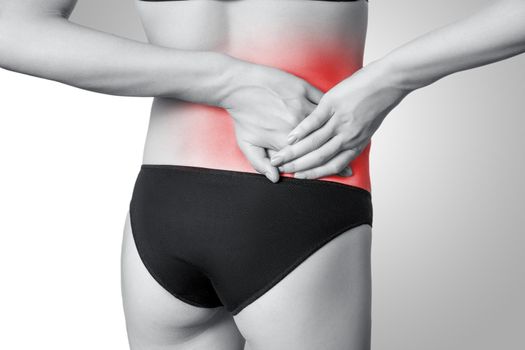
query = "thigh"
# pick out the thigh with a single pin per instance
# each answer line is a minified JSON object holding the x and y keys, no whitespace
{"x":324,"y":303}
{"x":155,"y":319}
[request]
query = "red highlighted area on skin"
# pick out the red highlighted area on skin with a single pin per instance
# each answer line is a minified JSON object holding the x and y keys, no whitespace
{"x":212,"y":141}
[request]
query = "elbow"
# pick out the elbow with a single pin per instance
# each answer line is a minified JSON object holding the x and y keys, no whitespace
{"x":19,"y":41}
{"x":22,"y":36}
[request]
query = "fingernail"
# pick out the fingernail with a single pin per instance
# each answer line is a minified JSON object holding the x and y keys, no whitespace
{"x":292,"y":138}
{"x":276,"y":160}
{"x":300,"y":176}
{"x":271,"y":177}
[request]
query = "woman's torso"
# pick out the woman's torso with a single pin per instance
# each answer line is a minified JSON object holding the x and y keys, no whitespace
{"x":320,"y":41}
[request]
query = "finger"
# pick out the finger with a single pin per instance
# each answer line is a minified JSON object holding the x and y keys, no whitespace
{"x":306,"y":109}
{"x":346,"y":172}
{"x":271,"y":152}
{"x":259,"y":160}
{"x":314,"y":121}
{"x":315,"y":158}
{"x":304,"y":146}
{"x":332,"y":167}
{"x":313,"y":93}
{"x":357,"y":151}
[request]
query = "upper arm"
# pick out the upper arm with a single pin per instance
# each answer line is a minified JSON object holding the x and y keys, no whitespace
{"x":62,"y":8}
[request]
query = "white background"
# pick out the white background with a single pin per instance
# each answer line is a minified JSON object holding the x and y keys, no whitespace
{"x":447,"y":171}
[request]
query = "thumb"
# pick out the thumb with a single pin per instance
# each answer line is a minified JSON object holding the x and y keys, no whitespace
{"x":259,"y":160}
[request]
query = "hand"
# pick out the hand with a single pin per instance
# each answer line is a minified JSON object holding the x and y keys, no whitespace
{"x":265,"y":108}
{"x":341,"y":126}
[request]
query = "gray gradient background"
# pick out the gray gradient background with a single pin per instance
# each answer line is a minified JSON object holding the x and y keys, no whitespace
{"x":447,"y":171}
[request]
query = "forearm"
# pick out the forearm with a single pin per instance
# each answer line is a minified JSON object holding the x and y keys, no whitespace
{"x":53,"y":48}
{"x":489,"y":35}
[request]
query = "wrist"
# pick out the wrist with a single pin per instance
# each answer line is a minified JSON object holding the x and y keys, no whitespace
{"x":236,"y":74}
{"x":397,"y":74}
{"x":204,"y":77}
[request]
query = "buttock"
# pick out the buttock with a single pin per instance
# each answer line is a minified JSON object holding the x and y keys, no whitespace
{"x":214,"y":237}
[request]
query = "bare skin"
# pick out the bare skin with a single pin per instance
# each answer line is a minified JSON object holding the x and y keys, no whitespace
{"x":223,"y":69}
{"x":289,"y":36}
{"x":72,"y":54}
{"x":352,"y":111}
{"x":291,"y":315}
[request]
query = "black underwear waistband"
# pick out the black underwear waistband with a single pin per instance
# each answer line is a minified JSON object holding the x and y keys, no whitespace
{"x":242,"y":174}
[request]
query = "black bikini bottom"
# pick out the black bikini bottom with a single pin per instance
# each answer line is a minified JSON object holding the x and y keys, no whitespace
{"x":214,"y":237}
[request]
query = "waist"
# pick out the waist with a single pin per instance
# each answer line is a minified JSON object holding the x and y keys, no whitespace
{"x":203,"y":136}
{"x":188,"y":134}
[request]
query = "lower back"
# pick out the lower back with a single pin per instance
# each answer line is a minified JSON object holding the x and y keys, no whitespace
{"x":322,"y":42}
